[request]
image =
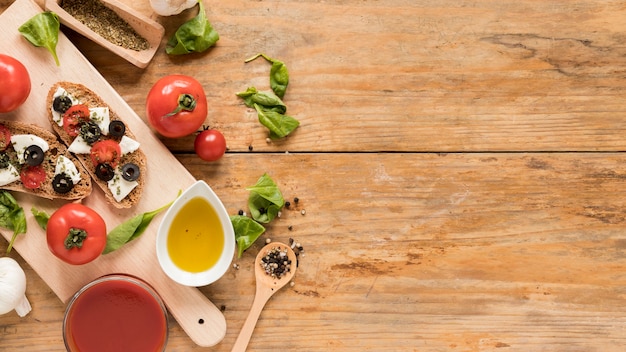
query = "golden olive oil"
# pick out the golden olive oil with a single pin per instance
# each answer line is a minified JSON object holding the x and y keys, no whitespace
{"x":195,"y":240}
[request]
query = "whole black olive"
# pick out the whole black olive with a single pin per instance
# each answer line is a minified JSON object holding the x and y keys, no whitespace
{"x":33,"y":155}
{"x":117,"y":129}
{"x":61,"y":103}
{"x":130,"y":172}
{"x":62,"y":183}
{"x":105,"y":171}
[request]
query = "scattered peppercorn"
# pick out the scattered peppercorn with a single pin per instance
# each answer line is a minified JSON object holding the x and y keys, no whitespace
{"x":296,"y":200}
{"x":290,"y":228}
{"x":287,"y":204}
{"x":303,"y":212}
{"x":241,"y":212}
{"x":222,"y":308}
{"x":250,"y":147}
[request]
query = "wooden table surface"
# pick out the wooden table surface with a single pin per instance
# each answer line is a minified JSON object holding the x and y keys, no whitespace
{"x":461,"y":165}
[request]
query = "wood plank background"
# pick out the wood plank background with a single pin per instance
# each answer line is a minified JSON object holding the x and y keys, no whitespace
{"x":460,"y":163}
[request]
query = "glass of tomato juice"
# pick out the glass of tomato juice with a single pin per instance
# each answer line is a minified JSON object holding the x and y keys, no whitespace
{"x":115,"y":312}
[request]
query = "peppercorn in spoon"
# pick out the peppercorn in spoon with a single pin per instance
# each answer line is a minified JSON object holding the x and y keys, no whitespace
{"x":275,"y":266}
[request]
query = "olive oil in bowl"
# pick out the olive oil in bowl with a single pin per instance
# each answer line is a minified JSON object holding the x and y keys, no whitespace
{"x":196,"y":241}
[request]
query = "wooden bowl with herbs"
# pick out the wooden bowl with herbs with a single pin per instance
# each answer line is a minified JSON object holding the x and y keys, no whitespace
{"x":113,"y":25}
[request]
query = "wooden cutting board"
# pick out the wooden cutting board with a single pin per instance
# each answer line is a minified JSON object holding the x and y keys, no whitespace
{"x":195,"y":313}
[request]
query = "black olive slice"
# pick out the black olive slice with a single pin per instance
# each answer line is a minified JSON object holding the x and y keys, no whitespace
{"x":4,"y":160}
{"x":90,"y":131}
{"x":105,"y":171}
{"x":61,"y":103}
{"x":117,"y":129}
{"x":33,"y":155}
{"x":62,"y":183}
{"x":130,"y":172}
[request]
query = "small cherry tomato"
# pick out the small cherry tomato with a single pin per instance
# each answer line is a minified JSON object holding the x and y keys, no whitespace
{"x":106,"y":151}
{"x":74,"y":117}
{"x":76,"y":234}
{"x":32,"y":176}
{"x":5,"y":138}
{"x":210,"y":145}
{"x":14,"y":83}
{"x":176,"y":106}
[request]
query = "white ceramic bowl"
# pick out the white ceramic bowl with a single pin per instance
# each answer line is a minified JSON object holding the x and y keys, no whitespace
{"x":187,"y":278}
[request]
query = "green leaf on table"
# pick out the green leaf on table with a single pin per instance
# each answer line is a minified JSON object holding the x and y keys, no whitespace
{"x":41,"y":217}
{"x":247,"y":231}
{"x":195,"y":35}
{"x":12,"y":216}
{"x":268,"y":100}
{"x":265,"y":200}
{"x":278,"y":124}
{"x":42,"y":30}
{"x":279,"y":75}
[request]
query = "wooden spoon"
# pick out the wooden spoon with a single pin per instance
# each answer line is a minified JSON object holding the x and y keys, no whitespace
{"x":266,"y":286}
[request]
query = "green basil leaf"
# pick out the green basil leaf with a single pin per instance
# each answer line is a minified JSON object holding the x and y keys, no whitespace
{"x":12,"y":216}
{"x":41,"y":217}
{"x":265,"y":200}
{"x":195,"y":35}
{"x":268,"y":100}
{"x":280,"y":125}
{"x":267,"y":188}
{"x":42,"y":30}
{"x":247,"y":231}
{"x":131,"y":229}
{"x":279,"y":75}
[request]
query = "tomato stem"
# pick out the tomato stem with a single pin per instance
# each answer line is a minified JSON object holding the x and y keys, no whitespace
{"x":186,"y":102}
{"x":75,"y":238}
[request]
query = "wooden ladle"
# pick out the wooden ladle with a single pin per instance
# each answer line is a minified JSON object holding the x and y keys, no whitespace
{"x":266,"y":286}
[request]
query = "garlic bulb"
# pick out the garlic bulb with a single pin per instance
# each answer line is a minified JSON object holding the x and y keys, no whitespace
{"x":12,"y":288}
{"x":171,"y":7}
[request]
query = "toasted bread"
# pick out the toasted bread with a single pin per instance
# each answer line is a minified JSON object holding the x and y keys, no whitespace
{"x":83,"y":95}
{"x":56,"y":149}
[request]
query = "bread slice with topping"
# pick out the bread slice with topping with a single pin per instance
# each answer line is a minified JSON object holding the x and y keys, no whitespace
{"x":34,"y":161}
{"x":100,"y":140}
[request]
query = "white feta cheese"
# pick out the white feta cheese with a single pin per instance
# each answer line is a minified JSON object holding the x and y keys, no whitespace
{"x":128,"y":145}
{"x":120,"y":188}
{"x":8,"y":175}
{"x":66,"y":166}
{"x":79,"y":146}
{"x":22,"y":141}
{"x":101,"y":117}
{"x":57,"y":116}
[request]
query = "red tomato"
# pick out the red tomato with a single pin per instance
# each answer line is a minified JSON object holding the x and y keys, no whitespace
{"x":14,"y":83}
{"x":74,"y":117}
{"x":76,"y":234}
{"x":106,"y":151}
{"x":176,"y":106}
{"x":32,"y":176}
{"x":210,"y":145}
{"x":5,"y":138}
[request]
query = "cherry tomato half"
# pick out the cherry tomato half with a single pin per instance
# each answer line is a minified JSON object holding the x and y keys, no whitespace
{"x":106,"y":151}
{"x":14,"y":83}
{"x":32,"y":176}
{"x":74,"y":117}
{"x":210,"y":145}
{"x":76,"y":234}
{"x":176,"y":106}
{"x":5,"y":138}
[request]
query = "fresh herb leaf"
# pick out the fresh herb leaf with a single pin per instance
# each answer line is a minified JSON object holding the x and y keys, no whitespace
{"x":131,"y":229}
{"x":279,"y":75}
{"x":195,"y":35}
{"x":41,"y":217}
{"x":246,"y":232}
{"x":265,"y":200}
{"x":42,"y":30}
{"x":11,"y":216}
{"x":267,"y":100}
{"x":280,"y":125}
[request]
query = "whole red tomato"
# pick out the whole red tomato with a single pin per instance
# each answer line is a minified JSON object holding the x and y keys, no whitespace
{"x":210,"y":145}
{"x":76,"y":234}
{"x":176,"y":106}
{"x":14,"y":83}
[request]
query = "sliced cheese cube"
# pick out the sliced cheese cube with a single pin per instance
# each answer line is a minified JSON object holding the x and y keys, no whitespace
{"x":8,"y":175}
{"x":128,"y":145}
{"x":120,"y":187}
{"x":66,"y":166}
{"x":57,"y":116}
{"x":22,"y":141}
{"x":101,"y":117}
{"x":79,"y":146}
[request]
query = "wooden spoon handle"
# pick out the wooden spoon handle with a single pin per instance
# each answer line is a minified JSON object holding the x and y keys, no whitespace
{"x":260,"y":298}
